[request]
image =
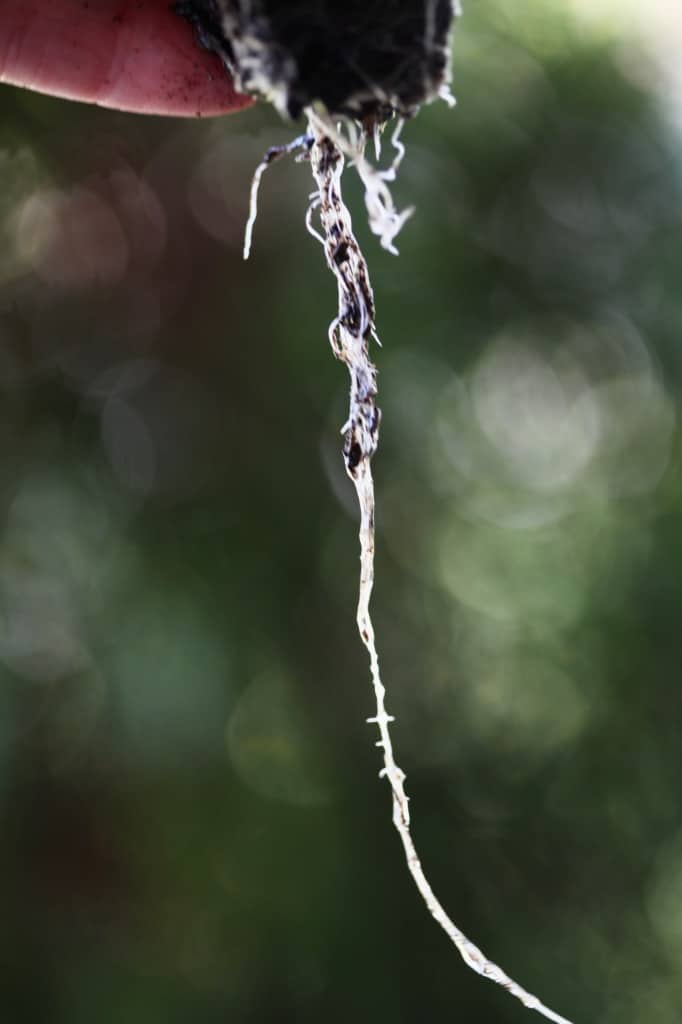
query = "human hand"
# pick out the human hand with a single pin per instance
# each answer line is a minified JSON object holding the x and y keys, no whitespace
{"x":134,"y":55}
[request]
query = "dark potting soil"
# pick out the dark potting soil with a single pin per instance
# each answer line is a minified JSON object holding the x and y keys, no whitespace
{"x":367,"y":59}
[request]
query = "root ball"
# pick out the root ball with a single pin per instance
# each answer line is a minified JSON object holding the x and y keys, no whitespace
{"x":367,"y":59}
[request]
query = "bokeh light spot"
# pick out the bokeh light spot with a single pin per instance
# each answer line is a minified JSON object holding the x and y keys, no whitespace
{"x":271,"y":745}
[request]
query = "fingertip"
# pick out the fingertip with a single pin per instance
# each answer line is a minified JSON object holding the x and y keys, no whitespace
{"x":136,"y":56}
{"x":159,"y":68}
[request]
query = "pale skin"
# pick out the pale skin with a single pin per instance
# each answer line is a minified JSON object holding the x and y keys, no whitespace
{"x":133,"y":55}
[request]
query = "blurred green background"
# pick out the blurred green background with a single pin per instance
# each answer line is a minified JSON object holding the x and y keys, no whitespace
{"x":191,"y":823}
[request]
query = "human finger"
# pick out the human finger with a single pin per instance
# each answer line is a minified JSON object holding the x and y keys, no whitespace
{"x":134,"y":55}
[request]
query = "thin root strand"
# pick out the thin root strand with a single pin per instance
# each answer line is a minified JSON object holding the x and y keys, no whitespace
{"x":349,"y":334}
{"x":325,"y":145}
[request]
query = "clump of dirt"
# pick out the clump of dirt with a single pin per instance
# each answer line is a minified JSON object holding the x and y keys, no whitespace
{"x":367,"y":59}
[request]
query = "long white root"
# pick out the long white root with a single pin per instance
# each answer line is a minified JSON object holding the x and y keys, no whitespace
{"x":349,"y":335}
